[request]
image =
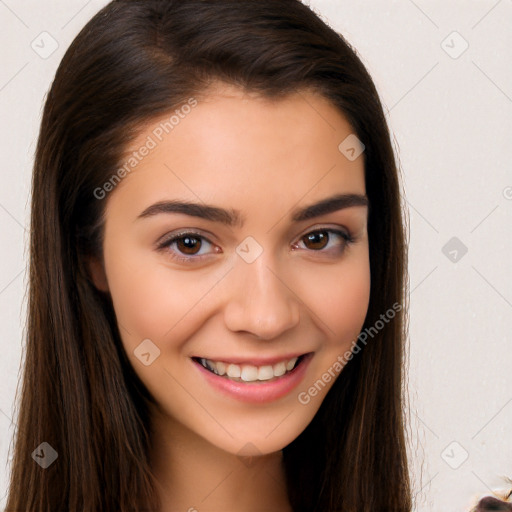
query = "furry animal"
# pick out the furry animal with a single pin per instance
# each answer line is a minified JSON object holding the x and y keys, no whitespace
{"x":492,"y":504}
{"x":498,"y":502}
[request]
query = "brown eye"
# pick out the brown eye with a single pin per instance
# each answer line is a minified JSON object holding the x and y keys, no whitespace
{"x":188,"y":245}
{"x":329,"y":241}
{"x":318,"y":240}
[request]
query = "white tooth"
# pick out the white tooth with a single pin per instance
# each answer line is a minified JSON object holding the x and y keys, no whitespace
{"x":265,"y":372}
{"x":291,"y":363}
{"x":233,"y":370}
{"x":249,"y":373}
{"x":221,"y":368}
{"x":279,"y":369}
{"x":210,"y":365}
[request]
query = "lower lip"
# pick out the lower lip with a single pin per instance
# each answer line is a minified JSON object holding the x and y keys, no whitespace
{"x":257,"y":392}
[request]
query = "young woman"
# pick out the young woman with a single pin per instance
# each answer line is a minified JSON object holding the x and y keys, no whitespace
{"x":217,"y":307}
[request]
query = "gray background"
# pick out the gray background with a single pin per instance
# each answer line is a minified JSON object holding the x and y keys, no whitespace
{"x":450,"y":111}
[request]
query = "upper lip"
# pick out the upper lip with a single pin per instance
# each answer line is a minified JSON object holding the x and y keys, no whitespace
{"x":255,"y":361}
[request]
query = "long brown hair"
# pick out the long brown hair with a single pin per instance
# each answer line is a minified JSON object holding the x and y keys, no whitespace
{"x":134,"y":61}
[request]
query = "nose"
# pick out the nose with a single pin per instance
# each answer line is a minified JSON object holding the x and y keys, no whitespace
{"x":260,"y":301}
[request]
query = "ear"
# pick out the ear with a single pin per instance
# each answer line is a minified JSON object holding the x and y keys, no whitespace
{"x":97,"y":273}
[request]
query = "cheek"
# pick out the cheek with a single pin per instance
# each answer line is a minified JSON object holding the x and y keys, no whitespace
{"x":145,"y":304}
{"x":152,"y":301}
{"x":340,"y":300}
{"x":348,"y":312}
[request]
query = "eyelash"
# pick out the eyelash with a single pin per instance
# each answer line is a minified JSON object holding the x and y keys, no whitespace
{"x":168,"y":241}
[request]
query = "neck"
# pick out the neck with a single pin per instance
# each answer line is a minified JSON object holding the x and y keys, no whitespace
{"x":195,"y":476}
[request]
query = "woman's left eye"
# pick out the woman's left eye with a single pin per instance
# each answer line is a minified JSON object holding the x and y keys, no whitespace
{"x":186,"y":246}
{"x":321,"y":238}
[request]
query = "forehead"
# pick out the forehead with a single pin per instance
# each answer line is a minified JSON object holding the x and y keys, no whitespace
{"x":232,"y":146}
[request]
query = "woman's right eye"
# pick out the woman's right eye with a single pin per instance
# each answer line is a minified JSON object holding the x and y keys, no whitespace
{"x":188,"y":243}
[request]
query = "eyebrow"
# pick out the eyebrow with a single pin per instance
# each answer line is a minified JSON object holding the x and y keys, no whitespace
{"x":233,"y":217}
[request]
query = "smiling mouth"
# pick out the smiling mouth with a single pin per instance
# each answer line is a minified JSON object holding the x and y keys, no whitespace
{"x":248,"y":372}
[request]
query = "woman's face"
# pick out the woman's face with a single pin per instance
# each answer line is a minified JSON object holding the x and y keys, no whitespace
{"x":256,"y":277}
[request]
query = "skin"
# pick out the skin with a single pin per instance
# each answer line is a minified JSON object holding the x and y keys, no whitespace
{"x":264,"y":158}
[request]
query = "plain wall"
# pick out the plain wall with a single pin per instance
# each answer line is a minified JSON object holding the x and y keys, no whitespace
{"x":444,"y":73}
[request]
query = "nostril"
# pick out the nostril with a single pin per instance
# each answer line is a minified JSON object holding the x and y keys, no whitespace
{"x":490,"y":504}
